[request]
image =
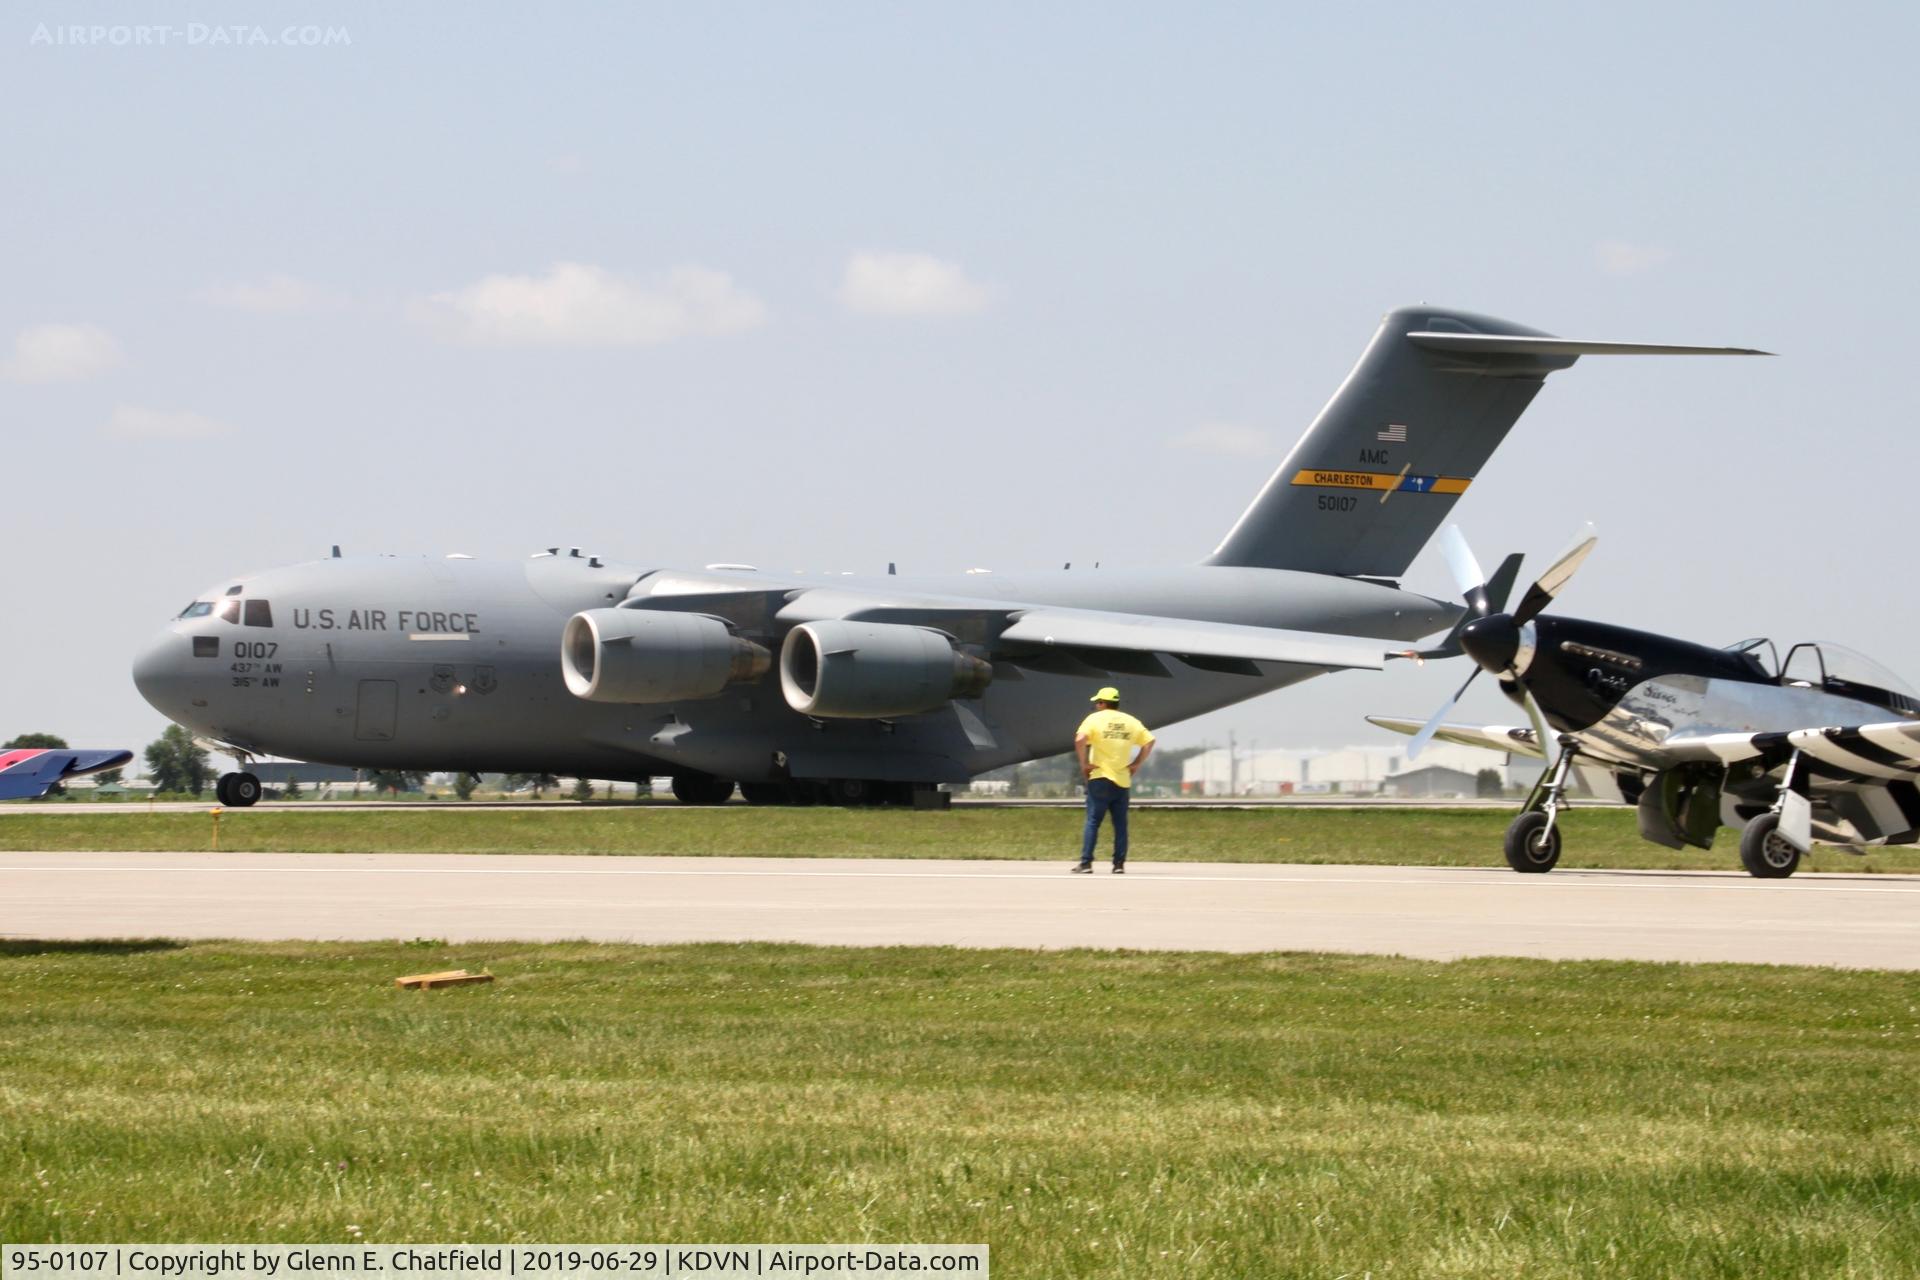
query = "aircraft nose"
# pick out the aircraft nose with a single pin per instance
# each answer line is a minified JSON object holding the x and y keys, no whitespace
{"x":163,"y":673}
{"x":1493,"y":641}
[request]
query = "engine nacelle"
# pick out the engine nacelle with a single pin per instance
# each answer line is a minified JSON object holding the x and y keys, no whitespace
{"x":875,"y":670}
{"x":648,"y":655}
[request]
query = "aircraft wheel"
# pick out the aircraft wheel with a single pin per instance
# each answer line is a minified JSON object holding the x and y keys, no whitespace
{"x":701,"y":788}
{"x":1532,"y":847}
{"x":236,"y":790}
{"x":765,"y":793}
{"x":1764,"y":852}
{"x":850,"y":791}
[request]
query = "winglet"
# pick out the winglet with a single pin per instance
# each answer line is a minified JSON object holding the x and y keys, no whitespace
{"x":30,"y":772}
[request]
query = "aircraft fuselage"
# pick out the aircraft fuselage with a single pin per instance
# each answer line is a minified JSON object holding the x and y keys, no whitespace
{"x":454,"y":664}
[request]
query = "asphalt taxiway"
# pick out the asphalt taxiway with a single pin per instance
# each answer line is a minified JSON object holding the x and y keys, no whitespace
{"x":1439,"y":913}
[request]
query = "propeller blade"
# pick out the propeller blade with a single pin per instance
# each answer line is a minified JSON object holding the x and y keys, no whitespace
{"x":1548,"y":585}
{"x":1500,"y":585}
{"x":1464,"y":568}
{"x":1427,"y":730}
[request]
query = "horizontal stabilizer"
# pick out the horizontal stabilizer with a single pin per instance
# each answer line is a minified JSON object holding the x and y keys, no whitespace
{"x":1495,"y":344}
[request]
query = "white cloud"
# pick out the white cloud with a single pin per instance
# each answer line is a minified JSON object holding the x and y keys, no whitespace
{"x":276,"y":294}
{"x":60,"y":353}
{"x":1225,"y":438}
{"x":131,"y":422}
{"x":909,"y":284}
{"x":1618,"y":258}
{"x":577,"y":305}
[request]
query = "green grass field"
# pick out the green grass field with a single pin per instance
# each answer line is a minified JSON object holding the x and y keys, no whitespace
{"x":1412,"y":837}
{"x":1086,"y":1114}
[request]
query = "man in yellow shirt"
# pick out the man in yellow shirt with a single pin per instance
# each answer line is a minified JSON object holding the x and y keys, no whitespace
{"x":1105,"y":743}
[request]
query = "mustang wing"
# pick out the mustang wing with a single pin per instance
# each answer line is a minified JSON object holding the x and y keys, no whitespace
{"x":1516,"y":740}
{"x":29,"y":772}
{"x":1868,"y":752}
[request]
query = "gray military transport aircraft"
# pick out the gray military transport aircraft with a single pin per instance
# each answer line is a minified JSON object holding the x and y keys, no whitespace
{"x":854,"y":690}
{"x":1823,"y":747}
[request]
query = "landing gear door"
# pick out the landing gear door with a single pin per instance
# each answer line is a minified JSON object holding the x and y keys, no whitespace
{"x":375,"y":710}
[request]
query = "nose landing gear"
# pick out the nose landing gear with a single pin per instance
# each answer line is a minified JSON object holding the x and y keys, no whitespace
{"x":237,"y":790}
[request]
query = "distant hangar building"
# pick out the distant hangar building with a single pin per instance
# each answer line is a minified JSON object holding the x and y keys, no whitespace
{"x":1444,"y":771}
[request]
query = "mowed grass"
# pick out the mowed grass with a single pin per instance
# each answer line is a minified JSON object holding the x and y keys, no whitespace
{"x":1085,"y":1114}
{"x":1409,"y":837}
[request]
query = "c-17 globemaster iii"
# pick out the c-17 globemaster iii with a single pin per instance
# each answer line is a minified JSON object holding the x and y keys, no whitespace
{"x":859,"y":689}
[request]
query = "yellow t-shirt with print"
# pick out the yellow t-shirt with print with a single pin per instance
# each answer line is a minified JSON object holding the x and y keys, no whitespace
{"x":1111,"y":737}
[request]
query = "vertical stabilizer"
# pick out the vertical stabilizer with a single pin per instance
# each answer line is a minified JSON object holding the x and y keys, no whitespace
{"x":1400,"y":441}
{"x":1432,"y":397}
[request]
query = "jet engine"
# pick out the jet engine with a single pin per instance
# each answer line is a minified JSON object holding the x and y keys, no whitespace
{"x":646,"y":655}
{"x":874,"y":670}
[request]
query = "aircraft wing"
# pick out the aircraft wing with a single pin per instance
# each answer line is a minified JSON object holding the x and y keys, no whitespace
{"x":1880,"y":752}
{"x":27,"y":772}
{"x":1048,"y":628}
{"x":1515,"y":740}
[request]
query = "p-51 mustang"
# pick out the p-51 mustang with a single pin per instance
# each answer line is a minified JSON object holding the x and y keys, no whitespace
{"x":26,"y":773}
{"x":855,"y":689}
{"x":1821,"y":748}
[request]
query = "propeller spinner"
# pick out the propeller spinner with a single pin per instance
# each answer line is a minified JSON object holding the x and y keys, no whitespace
{"x":1502,"y":642}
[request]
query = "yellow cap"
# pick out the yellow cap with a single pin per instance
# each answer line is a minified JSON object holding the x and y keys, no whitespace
{"x":1108,"y":694}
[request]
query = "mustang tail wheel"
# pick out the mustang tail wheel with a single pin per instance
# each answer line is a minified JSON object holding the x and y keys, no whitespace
{"x":1532,"y":846}
{"x":1764,"y":852}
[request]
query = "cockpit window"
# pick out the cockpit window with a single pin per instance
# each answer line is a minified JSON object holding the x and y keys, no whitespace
{"x":198,"y":609}
{"x":234,"y":590}
{"x":1760,"y":652}
{"x":259,"y":613}
{"x":1840,"y":670}
{"x":229,"y":610}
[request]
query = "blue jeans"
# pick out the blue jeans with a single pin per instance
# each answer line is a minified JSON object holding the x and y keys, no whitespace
{"x":1105,"y":798}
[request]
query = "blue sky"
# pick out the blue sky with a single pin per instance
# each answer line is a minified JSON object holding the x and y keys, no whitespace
{"x":827,"y":286}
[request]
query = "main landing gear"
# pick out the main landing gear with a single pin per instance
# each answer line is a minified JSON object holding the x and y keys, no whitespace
{"x":701,"y":788}
{"x":1764,"y":852}
{"x":1771,"y":845}
{"x":237,"y":790}
{"x":1533,"y":838}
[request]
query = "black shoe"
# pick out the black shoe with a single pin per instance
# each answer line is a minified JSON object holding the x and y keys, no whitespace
{"x":1119,"y":869}
{"x":1083,"y":869}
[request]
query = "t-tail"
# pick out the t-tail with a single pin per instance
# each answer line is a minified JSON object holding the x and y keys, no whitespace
{"x":1433,"y":395}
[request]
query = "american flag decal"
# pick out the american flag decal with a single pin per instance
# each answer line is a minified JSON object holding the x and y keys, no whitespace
{"x":1396,"y":434}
